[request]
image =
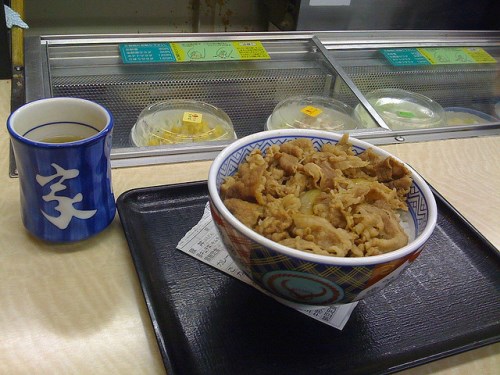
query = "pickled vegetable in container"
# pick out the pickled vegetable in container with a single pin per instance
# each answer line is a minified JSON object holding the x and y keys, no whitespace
{"x":181,"y":121}
{"x":402,"y":110}
{"x":467,"y":116}
{"x":312,"y":112}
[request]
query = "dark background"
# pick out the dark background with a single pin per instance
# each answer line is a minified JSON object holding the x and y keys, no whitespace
{"x":284,"y":15}
{"x":387,"y":15}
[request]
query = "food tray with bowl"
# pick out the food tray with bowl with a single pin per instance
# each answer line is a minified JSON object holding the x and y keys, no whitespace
{"x":358,"y":213}
{"x":207,"y":322}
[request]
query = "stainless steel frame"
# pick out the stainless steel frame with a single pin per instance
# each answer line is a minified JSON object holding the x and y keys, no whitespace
{"x":309,"y":63}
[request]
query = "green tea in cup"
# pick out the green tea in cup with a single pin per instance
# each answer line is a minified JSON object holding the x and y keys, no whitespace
{"x":62,"y":139}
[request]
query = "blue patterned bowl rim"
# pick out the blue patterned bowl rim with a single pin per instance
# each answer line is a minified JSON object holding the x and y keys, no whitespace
{"x":243,"y":144}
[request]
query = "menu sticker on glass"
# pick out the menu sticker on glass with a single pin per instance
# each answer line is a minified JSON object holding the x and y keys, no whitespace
{"x":219,"y":51}
{"x":141,"y":53}
{"x":192,"y":51}
{"x":251,"y":50}
{"x":456,"y":55}
{"x":437,"y":56}
{"x":479,"y":55}
{"x":406,"y":114}
{"x":404,"y":57}
{"x":311,"y":111}
{"x":192,"y":117}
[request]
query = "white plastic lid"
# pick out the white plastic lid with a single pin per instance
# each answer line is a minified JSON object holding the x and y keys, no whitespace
{"x":312,"y":112}
{"x":181,"y":121}
{"x":401,"y":109}
{"x":467,"y":116}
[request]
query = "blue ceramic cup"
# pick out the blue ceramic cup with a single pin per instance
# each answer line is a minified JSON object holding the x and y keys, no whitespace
{"x":62,"y":150}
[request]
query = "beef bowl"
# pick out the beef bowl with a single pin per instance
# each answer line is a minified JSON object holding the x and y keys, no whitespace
{"x":318,"y":218}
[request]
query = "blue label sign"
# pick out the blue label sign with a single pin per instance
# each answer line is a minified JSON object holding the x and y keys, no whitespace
{"x":404,"y":57}
{"x":146,"y":53}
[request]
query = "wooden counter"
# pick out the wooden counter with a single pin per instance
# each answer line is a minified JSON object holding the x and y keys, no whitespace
{"x":79,"y":308}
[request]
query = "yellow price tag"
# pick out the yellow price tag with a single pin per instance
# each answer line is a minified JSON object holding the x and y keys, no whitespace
{"x":192,"y":117}
{"x":479,"y":55}
{"x":251,"y":50}
{"x":311,"y":111}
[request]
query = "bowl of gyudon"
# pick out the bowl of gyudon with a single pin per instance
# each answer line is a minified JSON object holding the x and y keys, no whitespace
{"x":318,"y":218}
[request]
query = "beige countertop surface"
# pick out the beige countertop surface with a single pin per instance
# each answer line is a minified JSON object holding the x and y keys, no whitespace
{"x":79,"y":308}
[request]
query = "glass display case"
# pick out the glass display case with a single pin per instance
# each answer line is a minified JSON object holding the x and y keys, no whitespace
{"x":460,"y":80}
{"x":247,"y":75}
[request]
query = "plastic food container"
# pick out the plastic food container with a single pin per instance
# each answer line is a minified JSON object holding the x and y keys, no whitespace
{"x":467,"y":116}
{"x":312,"y":112}
{"x":402,"y":110}
{"x":181,"y":121}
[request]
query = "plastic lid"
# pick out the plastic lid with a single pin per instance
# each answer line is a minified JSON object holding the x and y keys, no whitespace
{"x":402,"y":109}
{"x":181,"y":121}
{"x":312,"y":112}
{"x":467,"y":116}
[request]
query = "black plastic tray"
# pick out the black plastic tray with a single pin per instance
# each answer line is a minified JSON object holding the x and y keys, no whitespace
{"x":207,"y":322}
